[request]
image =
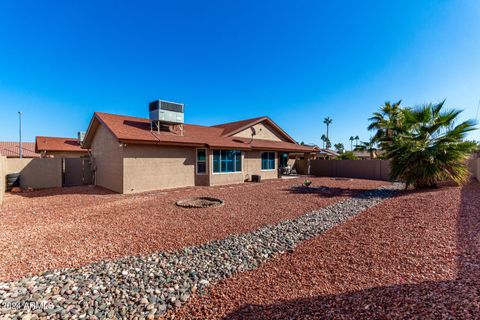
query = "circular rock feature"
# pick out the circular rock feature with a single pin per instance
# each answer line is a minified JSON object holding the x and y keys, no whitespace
{"x":199,"y":202}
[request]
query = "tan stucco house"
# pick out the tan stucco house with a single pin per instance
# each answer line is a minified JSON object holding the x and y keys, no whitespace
{"x":128,"y":156}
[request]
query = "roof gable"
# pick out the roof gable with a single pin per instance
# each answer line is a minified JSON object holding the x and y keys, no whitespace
{"x":237,"y":127}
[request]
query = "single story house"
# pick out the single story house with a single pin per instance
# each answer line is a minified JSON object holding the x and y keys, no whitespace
{"x":12,"y":149}
{"x":128,"y":156}
{"x":57,"y":147}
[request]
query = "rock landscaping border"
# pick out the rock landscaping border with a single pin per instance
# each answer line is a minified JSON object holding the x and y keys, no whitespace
{"x":146,"y":287}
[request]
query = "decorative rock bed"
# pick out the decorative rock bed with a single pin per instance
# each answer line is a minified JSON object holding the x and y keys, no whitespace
{"x":200,"y":202}
{"x":147,"y":286}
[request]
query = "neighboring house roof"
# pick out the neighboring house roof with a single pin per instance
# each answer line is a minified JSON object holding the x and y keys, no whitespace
{"x":362,"y":154}
{"x":137,"y":130}
{"x":12,"y":150}
{"x":57,"y":144}
{"x":328,"y":152}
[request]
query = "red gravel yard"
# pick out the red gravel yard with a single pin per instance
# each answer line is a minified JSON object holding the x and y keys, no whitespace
{"x":69,"y":227}
{"x":414,"y":256}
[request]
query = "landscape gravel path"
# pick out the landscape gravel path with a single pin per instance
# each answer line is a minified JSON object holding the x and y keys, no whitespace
{"x":148,"y":286}
{"x":414,"y":256}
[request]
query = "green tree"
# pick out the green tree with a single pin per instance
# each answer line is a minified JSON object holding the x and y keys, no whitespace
{"x":339,"y":147}
{"x":369,"y":146}
{"x":387,"y":122}
{"x":328,"y":143}
{"x":429,"y":148}
{"x":328,"y":121}
{"x":351,"y":142}
{"x":348,"y":155}
{"x":324,"y":139}
{"x":356,"y":139}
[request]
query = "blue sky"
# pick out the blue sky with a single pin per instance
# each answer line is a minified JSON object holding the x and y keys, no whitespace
{"x":295,"y":61}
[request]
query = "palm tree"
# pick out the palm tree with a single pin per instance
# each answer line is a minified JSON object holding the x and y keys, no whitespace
{"x":356,"y":139}
{"x":339,"y":147}
{"x":328,"y":121}
{"x":387,"y":122}
{"x":328,"y":144}
{"x":430,"y":148}
{"x":324,"y":139}
{"x":351,"y":142}
{"x":369,"y":146}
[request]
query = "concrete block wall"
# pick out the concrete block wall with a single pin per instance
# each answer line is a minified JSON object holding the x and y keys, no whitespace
{"x":477,"y":171}
{"x":37,"y":173}
{"x":362,"y":169}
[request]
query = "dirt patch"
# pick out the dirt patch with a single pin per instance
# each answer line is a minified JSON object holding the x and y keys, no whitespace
{"x":413,"y":256}
{"x":69,"y":227}
{"x":200,"y":202}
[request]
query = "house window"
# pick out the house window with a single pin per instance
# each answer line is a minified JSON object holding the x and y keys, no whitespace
{"x":201,"y":161}
{"x":268,"y":160}
{"x":227,"y":161}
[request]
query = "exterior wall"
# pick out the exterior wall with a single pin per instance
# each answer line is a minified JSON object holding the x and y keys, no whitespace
{"x":253,"y":165}
{"x":64,"y":154}
{"x":263,"y":131}
{"x":225,"y":178}
{"x":37,"y":173}
{"x":3,"y":172}
{"x":301,"y":166}
{"x":371,"y":169}
{"x":107,"y":160}
{"x":147,"y":167}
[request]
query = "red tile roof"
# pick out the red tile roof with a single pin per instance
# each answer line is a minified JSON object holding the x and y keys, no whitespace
{"x":238,"y":125}
{"x":137,"y":130}
{"x":232,"y":128}
{"x":12,"y":150}
{"x":57,"y":144}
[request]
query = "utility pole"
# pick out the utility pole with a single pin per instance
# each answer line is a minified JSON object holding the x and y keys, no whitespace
{"x":20,"y":134}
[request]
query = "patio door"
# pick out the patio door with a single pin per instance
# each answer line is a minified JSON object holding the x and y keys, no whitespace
{"x":282,"y":160}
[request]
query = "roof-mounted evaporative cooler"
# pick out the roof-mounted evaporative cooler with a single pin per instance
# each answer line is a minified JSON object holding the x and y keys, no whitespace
{"x":166,"y":115}
{"x":167,"y":112}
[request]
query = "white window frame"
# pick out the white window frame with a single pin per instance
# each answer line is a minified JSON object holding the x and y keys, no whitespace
{"x":233,"y":172}
{"x":274,"y":162}
{"x":206,"y":161}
